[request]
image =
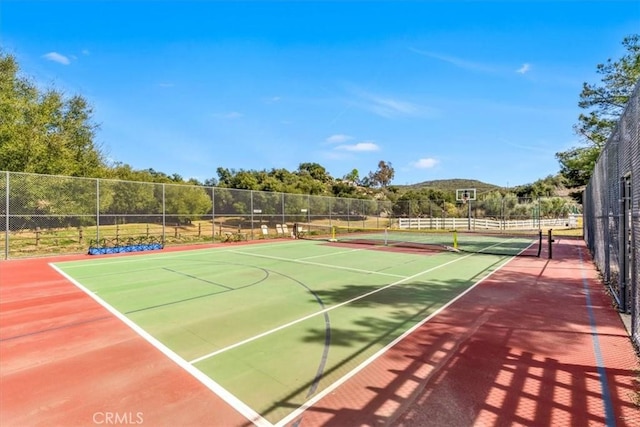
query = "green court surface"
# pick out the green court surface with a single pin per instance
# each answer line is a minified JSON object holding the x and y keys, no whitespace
{"x":275,"y":324}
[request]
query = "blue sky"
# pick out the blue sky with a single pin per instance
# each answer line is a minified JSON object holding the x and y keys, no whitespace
{"x":441,"y":89}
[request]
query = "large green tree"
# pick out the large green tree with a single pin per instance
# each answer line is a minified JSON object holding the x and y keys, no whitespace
{"x":383,"y":176}
{"x":315,"y":170}
{"x":604,"y":103}
{"x":44,"y":131}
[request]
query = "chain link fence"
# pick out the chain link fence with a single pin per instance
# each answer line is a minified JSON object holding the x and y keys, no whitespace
{"x":612,"y":213}
{"x":46,"y":215}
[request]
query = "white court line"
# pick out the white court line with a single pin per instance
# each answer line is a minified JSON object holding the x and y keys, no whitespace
{"x":301,"y":261}
{"x":306,"y":257}
{"x":329,"y":254}
{"x":333,"y":307}
{"x":229,"y":398}
{"x":309,"y":403}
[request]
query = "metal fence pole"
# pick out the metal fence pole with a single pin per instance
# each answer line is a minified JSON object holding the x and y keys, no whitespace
{"x":97,"y":210}
{"x":251,"y":208}
{"x":283,"y":206}
{"x":330,"y":213}
{"x":164,"y":218}
{"x":213,"y":214}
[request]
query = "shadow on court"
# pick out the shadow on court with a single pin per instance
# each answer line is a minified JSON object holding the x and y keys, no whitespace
{"x":538,"y":343}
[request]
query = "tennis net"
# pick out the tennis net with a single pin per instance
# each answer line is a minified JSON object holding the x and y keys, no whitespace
{"x":508,"y":243}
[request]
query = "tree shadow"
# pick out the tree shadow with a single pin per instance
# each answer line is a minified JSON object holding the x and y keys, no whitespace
{"x":506,"y":353}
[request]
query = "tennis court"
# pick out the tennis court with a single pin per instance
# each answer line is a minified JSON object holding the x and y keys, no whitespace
{"x":276,"y":324}
{"x":279,"y":329}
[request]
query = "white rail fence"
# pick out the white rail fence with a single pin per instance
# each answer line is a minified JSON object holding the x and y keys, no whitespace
{"x":487,"y":224}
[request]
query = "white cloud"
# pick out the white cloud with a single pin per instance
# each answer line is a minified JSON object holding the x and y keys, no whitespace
{"x":56,"y":57}
{"x":361,"y":146}
{"x":524,"y":69}
{"x":230,"y":115}
{"x":389,"y":107}
{"x":426,"y":163}
{"x":272,"y":100}
{"x":338,"y":138}
{"x":458,"y":62}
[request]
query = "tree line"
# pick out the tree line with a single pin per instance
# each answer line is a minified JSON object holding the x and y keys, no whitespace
{"x":46,"y":132}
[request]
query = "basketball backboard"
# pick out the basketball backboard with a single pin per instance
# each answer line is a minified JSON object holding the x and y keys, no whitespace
{"x":465,"y":194}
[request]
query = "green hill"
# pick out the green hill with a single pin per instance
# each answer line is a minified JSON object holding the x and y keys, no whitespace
{"x":453,"y":184}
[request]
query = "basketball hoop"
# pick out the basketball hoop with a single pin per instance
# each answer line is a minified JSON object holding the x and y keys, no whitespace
{"x":465,"y":195}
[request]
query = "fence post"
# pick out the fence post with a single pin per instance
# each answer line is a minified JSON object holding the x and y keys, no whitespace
{"x":252,"y":213}
{"x":97,"y":210}
{"x":330,"y":213}
{"x":213,"y":214}
{"x":283,"y":208}
{"x":164,"y":218}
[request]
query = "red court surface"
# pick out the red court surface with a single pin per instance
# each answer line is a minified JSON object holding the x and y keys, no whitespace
{"x":536,"y":344}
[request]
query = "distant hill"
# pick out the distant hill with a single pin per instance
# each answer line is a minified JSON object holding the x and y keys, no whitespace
{"x":453,"y":184}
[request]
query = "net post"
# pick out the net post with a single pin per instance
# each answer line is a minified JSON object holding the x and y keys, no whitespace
{"x":333,"y":234}
{"x":550,"y":233}
{"x":539,"y":243}
{"x":386,"y":236}
{"x":455,"y":239}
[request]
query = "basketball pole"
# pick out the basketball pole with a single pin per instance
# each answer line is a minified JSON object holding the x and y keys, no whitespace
{"x":466,"y":196}
{"x":467,"y":199}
